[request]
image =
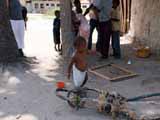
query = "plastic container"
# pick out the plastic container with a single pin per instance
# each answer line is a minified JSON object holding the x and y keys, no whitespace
{"x":143,"y":52}
{"x":129,"y":62}
{"x":60,"y":85}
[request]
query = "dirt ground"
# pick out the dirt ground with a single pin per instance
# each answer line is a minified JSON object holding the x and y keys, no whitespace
{"x":27,"y":89}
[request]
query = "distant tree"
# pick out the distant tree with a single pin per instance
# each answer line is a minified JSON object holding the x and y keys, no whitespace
{"x":8,"y":45}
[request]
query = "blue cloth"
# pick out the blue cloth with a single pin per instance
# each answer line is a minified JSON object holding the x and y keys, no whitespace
{"x":104,"y":38}
{"x":56,"y":24}
{"x":105,"y":7}
{"x":56,"y":30}
{"x":116,"y":44}
{"x":15,"y":10}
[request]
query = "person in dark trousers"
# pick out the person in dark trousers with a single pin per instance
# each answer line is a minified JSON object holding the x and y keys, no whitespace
{"x":94,"y":23}
{"x":115,"y":17}
{"x":56,"y":31}
{"x":105,"y":26}
{"x":24,"y":14}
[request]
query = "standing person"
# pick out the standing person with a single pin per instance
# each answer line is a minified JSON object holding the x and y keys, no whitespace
{"x":17,"y":23}
{"x":56,"y":31}
{"x":105,"y":7}
{"x":75,"y":21}
{"x":94,"y":23}
{"x":115,"y":15}
{"x":24,"y":14}
{"x":84,"y":28}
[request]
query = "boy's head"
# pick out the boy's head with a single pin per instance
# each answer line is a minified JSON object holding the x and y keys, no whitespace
{"x":116,"y":3}
{"x":57,"y":13}
{"x":80,"y":43}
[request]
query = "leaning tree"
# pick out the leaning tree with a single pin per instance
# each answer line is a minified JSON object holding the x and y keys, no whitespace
{"x":66,"y":30}
{"x":67,"y":27}
{"x":8,"y":45}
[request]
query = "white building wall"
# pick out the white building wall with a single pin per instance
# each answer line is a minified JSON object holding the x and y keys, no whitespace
{"x":43,"y":6}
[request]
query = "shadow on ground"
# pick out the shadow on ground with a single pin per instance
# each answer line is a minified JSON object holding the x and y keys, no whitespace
{"x":27,"y":92}
{"x":27,"y":87}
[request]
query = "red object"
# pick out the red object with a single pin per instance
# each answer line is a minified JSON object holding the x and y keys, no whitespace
{"x":60,"y":84}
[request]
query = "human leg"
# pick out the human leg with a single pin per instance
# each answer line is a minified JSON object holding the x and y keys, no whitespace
{"x":98,"y":38}
{"x":59,"y":48}
{"x":92,"y":27}
{"x":105,"y":33}
{"x":116,"y":44}
{"x":56,"y":39}
{"x":55,"y":47}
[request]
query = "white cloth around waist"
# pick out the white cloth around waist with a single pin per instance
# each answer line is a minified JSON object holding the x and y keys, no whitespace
{"x":18,"y":27}
{"x":78,"y":76}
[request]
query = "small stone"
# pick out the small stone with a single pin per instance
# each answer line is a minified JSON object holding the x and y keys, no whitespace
{"x":18,"y":117}
{"x":5,"y":98}
{"x":129,"y":62}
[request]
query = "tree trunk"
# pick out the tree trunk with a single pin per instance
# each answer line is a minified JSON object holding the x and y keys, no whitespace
{"x":145,"y":23}
{"x":66,"y":28}
{"x":8,"y":45}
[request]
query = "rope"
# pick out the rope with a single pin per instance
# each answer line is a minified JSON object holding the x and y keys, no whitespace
{"x":142,"y":97}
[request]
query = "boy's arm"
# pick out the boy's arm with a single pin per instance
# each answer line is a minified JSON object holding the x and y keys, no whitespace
{"x":70,"y":67}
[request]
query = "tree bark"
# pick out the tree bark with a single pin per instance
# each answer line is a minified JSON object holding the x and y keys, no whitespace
{"x":66,"y":28}
{"x":145,"y":23}
{"x":8,"y":45}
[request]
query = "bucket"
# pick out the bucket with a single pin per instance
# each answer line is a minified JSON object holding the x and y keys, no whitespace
{"x":143,"y":52}
{"x":60,"y":85}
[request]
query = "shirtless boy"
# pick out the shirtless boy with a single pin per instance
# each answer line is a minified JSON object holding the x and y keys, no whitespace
{"x":78,"y":64}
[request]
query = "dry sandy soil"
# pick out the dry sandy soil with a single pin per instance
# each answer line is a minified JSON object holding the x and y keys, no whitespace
{"x":27,"y":89}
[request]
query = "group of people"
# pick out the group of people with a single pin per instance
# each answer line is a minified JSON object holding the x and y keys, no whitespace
{"x":18,"y":19}
{"x":105,"y":17}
